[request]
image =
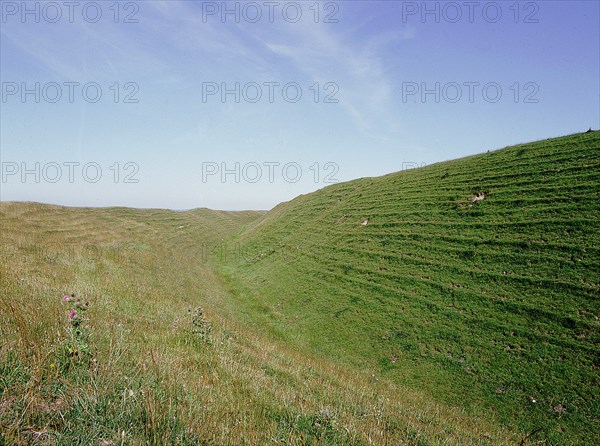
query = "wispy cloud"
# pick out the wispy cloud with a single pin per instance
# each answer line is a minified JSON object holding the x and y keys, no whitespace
{"x":327,"y":54}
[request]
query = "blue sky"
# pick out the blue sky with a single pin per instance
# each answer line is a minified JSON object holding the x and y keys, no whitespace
{"x":372,"y":60}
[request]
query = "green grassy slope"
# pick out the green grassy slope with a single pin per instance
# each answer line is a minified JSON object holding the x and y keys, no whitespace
{"x":141,"y":375}
{"x":492,"y":305}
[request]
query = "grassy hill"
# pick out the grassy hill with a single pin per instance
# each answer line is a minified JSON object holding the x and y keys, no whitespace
{"x":475,"y":280}
{"x":139,"y":365}
{"x":463,"y":312}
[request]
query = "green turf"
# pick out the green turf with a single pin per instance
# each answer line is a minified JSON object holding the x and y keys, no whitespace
{"x":492,"y":305}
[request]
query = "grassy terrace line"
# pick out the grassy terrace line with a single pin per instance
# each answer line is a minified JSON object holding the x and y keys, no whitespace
{"x":456,"y":304}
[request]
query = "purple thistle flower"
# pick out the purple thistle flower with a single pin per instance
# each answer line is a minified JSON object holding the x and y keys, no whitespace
{"x":66,"y":298}
{"x":72,"y":314}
